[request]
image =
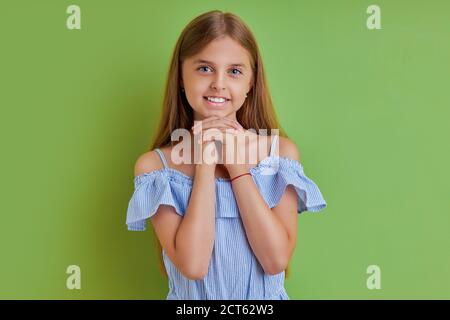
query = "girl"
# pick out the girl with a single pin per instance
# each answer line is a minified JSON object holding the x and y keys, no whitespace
{"x":225,"y":230}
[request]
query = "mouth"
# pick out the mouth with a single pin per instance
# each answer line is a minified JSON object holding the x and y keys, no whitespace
{"x":216,"y":102}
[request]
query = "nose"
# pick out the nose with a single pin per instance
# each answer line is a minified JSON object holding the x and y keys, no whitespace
{"x":218,"y":83}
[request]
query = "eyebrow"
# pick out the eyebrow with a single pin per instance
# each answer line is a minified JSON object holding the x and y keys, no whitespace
{"x":212,"y":63}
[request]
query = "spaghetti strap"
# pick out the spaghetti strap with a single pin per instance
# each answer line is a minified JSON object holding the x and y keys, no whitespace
{"x":272,"y":147}
{"x":163,"y":158}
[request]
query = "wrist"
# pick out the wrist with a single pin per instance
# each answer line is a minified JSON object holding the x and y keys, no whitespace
{"x":237,"y":170}
{"x":205,"y":168}
{"x":240,"y":176}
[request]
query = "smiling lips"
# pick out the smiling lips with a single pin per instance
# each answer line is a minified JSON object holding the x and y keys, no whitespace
{"x":216,"y":98}
{"x":216,"y":101}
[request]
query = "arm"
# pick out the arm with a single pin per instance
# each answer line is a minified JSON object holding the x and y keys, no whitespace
{"x":188,"y":241}
{"x":272,"y":233}
{"x":195,"y":236}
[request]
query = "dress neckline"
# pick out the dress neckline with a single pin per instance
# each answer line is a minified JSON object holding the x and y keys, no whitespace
{"x":166,"y":164}
{"x":252,"y":170}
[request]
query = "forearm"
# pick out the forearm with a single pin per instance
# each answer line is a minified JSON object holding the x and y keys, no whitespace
{"x":265,"y":232}
{"x":195,"y":236}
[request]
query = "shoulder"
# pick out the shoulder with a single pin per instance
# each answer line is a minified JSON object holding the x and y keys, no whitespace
{"x":288,"y":149}
{"x":147,"y":162}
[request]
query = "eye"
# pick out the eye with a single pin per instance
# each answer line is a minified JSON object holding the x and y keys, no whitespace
{"x":202,"y":67}
{"x":239,"y":71}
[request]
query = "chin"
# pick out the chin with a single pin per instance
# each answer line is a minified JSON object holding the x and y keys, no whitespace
{"x":214,"y":112}
{"x":206,"y":113}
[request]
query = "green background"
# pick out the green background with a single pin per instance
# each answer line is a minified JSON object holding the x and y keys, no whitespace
{"x":368,"y":110}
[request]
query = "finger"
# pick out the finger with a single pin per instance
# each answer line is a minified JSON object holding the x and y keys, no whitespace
{"x":229,"y":122}
{"x":216,"y":119}
{"x":229,"y":136}
{"x":218,"y":134}
{"x":220,"y":126}
{"x":201,"y":123}
{"x":196,"y":123}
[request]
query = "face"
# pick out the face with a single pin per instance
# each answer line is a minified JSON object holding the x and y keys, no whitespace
{"x":221,"y":69}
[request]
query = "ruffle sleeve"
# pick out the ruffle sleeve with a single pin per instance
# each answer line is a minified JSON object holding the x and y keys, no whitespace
{"x":276,"y":173}
{"x":150,"y":191}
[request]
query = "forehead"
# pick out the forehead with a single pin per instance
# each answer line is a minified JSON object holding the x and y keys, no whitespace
{"x":223,"y":51}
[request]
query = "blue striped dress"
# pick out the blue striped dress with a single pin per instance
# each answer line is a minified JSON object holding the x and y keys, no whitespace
{"x":234,"y":271}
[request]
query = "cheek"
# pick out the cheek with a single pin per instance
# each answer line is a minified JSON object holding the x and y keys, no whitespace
{"x":198,"y":86}
{"x":194,"y":90}
{"x":240,"y":87}
{"x":237,"y":97}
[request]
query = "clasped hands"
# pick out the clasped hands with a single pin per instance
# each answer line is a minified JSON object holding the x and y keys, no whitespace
{"x":234,"y":142}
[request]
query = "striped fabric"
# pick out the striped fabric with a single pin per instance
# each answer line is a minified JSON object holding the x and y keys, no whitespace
{"x":234,"y":272}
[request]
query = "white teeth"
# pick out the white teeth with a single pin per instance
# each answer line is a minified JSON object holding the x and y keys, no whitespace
{"x":219,"y":100}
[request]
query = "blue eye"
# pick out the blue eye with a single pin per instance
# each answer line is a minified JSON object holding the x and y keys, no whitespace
{"x":237,"y":70}
{"x":202,"y":67}
{"x":235,"y":74}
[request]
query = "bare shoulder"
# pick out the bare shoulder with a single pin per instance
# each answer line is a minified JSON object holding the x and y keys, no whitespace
{"x":147,"y":162}
{"x":288,"y":149}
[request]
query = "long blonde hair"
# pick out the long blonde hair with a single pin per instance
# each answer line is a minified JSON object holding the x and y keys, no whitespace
{"x":257,"y":112}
